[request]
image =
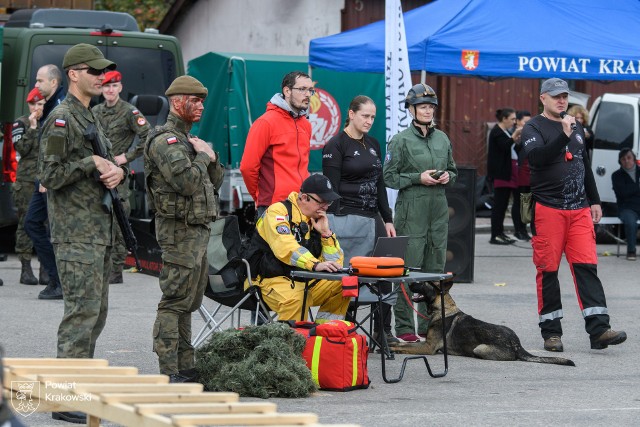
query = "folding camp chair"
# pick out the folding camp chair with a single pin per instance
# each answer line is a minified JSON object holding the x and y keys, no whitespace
{"x":227,"y":273}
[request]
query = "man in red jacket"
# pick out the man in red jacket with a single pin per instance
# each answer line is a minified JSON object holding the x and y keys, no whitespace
{"x":276,"y":155}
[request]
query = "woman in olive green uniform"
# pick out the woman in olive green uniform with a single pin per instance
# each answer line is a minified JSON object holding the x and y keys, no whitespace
{"x":419,"y":163}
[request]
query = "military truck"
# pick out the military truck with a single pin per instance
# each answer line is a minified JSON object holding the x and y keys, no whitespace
{"x":32,"y":38}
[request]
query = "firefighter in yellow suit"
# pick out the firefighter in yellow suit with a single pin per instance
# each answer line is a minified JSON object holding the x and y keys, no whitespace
{"x":294,"y":235}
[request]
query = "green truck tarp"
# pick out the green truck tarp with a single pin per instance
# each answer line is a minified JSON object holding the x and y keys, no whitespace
{"x":240,"y":85}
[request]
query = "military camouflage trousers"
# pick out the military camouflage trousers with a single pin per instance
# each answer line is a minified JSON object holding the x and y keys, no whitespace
{"x":119,"y":251}
{"x":22,"y":192}
{"x":84,"y":273}
{"x":183,"y":279}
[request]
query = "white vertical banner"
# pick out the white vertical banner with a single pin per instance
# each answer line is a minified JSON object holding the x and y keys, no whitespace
{"x":397,"y":76}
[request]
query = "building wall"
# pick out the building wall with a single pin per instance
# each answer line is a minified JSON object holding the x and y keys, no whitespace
{"x":282,"y":27}
{"x":285,"y":27}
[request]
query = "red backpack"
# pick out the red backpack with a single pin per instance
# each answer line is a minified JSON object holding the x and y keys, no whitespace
{"x":336,"y":355}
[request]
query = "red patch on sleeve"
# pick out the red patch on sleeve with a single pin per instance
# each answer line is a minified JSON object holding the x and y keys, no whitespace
{"x":172,"y":140}
{"x":60,"y":123}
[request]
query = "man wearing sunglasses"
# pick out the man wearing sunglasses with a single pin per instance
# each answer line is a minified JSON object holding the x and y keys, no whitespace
{"x":81,"y":232}
{"x":294,"y":235}
{"x":276,"y":154}
{"x":122,"y":122}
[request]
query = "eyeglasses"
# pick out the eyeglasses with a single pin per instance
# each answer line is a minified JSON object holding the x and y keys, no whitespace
{"x":311,"y":91}
{"x":320,"y":202}
{"x":91,"y":70}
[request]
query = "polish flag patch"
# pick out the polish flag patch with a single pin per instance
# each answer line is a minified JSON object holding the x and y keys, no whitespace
{"x":16,"y":124}
{"x":135,"y":112}
{"x":172,"y":140}
{"x":60,"y":123}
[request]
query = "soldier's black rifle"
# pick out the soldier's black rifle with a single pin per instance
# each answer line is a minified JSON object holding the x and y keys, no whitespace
{"x":111,"y":200}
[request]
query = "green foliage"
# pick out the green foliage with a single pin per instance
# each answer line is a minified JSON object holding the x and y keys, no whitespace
{"x":148,"y":13}
{"x":258,"y":361}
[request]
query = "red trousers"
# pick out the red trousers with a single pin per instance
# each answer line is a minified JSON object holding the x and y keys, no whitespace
{"x":571,"y":232}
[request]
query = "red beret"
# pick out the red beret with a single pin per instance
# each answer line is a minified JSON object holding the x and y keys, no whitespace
{"x":34,"y":95}
{"x":112,"y":77}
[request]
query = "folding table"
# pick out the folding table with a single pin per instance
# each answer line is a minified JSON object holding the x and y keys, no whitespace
{"x":375,"y":283}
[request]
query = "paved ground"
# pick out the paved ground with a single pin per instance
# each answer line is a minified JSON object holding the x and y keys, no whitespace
{"x":601,"y":389}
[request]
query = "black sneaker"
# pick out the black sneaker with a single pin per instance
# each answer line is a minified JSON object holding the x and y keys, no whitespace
{"x":631,"y":256}
{"x":500,"y":240}
{"x":391,"y":339}
{"x":523,"y":236}
{"x":610,"y":337}
{"x":505,"y":237}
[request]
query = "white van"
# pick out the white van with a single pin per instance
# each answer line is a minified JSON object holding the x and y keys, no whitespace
{"x":615,"y":121}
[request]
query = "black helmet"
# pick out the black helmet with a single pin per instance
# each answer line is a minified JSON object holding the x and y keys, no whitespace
{"x":421,"y":94}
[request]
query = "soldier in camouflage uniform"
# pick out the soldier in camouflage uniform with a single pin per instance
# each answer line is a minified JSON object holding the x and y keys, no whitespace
{"x":122,"y":122}
{"x":25,"y":134}
{"x":81,"y":232}
{"x":182,"y":173}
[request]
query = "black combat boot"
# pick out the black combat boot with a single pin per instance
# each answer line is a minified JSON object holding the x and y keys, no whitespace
{"x":26,"y":276}
{"x":70,"y":417}
{"x":116,"y":276}
{"x":52,"y":291}
{"x":44,"y":276}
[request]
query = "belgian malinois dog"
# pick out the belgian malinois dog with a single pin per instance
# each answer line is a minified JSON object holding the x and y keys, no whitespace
{"x":466,"y":336}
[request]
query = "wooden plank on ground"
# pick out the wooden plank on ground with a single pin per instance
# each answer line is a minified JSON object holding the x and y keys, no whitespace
{"x":74,"y":370}
{"x":206,"y":408}
{"x":210,"y":397}
{"x":138,"y":388}
{"x":244,"y":419}
{"x":104,"y":379}
{"x":15,"y":362}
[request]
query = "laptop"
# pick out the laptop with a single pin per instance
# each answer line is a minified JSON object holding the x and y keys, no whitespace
{"x":391,"y":246}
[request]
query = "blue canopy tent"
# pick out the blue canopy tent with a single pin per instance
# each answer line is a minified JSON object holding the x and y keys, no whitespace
{"x":571,"y":39}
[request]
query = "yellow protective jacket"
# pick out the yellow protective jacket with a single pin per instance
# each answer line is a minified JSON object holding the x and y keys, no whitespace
{"x":282,"y":243}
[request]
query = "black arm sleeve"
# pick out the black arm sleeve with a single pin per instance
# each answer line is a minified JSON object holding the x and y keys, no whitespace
{"x":590,"y":187}
{"x":383,"y":201}
{"x":332,"y":168}
{"x":333,"y":173}
{"x":540,"y":156}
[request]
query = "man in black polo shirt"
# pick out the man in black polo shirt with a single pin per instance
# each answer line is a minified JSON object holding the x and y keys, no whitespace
{"x":566,"y":206}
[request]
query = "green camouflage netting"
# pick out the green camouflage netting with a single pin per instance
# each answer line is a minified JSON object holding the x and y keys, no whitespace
{"x":258,"y":361}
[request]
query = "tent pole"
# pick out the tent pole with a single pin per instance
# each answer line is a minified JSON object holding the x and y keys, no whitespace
{"x":423,"y":76}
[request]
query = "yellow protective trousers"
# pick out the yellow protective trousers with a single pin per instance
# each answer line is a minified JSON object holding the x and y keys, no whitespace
{"x":285,"y":297}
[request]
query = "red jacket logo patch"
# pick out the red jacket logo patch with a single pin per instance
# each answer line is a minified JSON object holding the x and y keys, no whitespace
{"x":172,"y":140}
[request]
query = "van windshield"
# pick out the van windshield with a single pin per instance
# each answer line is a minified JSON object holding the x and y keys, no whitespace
{"x":144,"y":71}
{"x":615,"y":126}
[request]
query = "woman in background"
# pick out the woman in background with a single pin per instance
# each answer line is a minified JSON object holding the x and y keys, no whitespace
{"x":351,"y":160}
{"x":582,"y":115}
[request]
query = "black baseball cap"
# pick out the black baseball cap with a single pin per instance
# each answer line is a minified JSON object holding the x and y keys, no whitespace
{"x":320,"y":185}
